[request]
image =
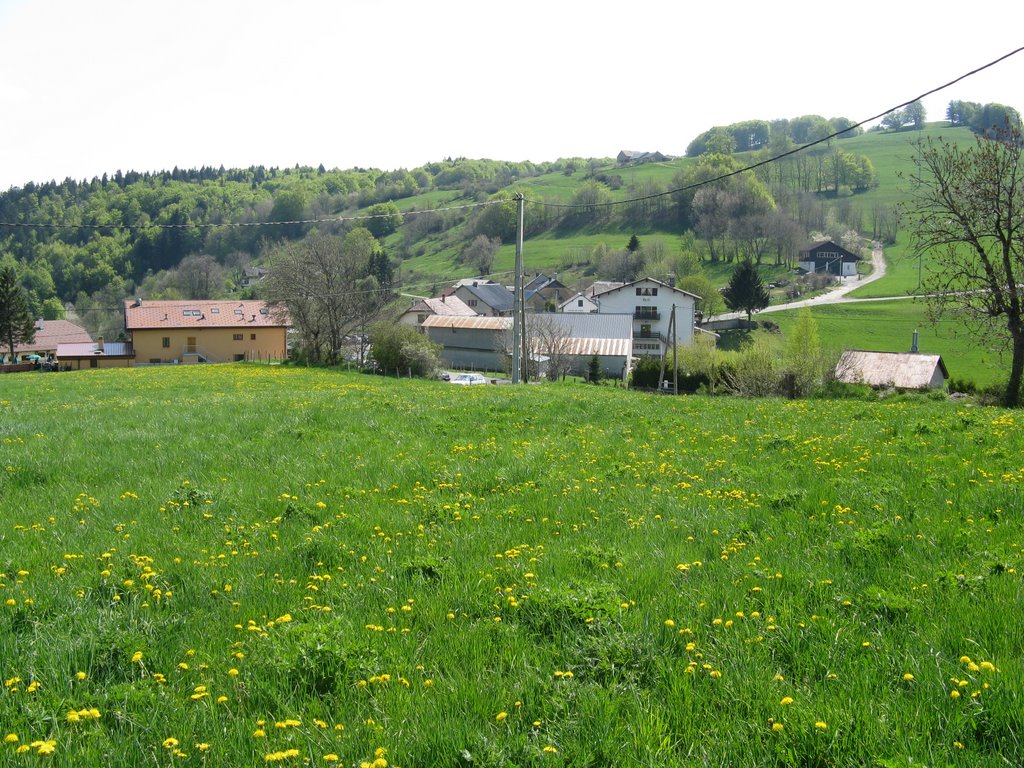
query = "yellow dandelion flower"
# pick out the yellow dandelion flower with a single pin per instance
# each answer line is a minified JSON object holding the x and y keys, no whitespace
{"x":170,"y":743}
{"x":232,"y":672}
{"x":136,"y":657}
{"x":501,"y":716}
{"x":907,"y":677}
{"x":669,"y":623}
{"x":777,"y":727}
{"x":786,"y":701}
{"x":80,"y":676}
{"x":11,"y":738}
{"x":954,"y":694}
{"x":259,"y":733}
{"x":988,"y":666}
{"x":331,"y":758}
{"x":551,"y":750}
{"x":821,"y":725}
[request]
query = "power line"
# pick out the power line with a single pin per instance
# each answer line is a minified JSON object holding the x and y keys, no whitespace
{"x":404,"y":214}
{"x":801,"y":148}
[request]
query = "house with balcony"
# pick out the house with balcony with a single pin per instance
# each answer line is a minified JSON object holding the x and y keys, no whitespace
{"x":205,"y":331}
{"x":651,"y":302}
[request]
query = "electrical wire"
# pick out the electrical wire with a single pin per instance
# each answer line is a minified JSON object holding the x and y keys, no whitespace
{"x":776,"y":158}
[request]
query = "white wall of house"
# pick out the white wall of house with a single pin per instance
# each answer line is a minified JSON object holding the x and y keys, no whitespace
{"x":848,"y":268}
{"x":579,"y":303}
{"x":650,"y":302}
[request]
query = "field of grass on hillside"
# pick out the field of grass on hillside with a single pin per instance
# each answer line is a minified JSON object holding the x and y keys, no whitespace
{"x":888,"y":326}
{"x":244,"y":565}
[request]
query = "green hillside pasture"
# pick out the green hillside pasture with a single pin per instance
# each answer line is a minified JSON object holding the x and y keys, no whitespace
{"x":242,"y":565}
{"x":888,"y":326}
{"x":901,"y":275}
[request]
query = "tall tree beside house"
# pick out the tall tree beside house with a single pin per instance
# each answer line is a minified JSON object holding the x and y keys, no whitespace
{"x":967,"y":213}
{"x":745,"y":291}
{"x":326,"y":286}
{"x":17,"y":326}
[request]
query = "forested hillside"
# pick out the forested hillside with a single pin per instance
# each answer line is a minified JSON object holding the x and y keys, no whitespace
{"x":192,"y":233}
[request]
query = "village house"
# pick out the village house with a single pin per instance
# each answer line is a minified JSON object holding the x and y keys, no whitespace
{"x":446,"y":306}
{"x":204,"y":331}
{"x":76,"y":356}
{"x":578,"y":303}
{"x":829,"y":258}
{"x":651,"y":302}
{"x":543,"y":293}
{"x":485,"y":298}
{"x":49,"y":335}
{"x":481,"y":343}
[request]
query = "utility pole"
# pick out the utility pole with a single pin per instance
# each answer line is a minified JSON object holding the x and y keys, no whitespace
{"x":518,"y":335}
{"x":675,"y":364}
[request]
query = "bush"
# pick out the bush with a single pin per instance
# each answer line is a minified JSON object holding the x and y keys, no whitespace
{"x":753,"y":372}
{"x":401,"y":348}
{"x":645,"y":373}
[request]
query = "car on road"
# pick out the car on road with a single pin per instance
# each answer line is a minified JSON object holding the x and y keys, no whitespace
{"x":468,"y":379}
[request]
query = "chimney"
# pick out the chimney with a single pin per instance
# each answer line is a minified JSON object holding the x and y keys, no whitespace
{"x":99,"y":343}
{"x":138,"y":301}
{"x":913,"y":344}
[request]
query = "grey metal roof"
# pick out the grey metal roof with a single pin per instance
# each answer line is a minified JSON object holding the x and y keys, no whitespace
{"x":904,"y":370}
{"x":498,"y":297}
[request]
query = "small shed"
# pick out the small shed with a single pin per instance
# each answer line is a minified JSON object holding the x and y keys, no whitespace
{"x":901,"y":370}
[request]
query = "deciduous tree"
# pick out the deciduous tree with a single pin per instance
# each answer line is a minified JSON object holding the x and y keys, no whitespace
{"x":967,"y":215}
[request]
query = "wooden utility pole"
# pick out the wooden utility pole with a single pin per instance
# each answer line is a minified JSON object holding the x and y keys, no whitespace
{"x":518,"y":325}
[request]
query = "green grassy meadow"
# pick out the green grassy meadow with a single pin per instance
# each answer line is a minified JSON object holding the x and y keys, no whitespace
{"x":888,"y":326}
{"x":245,"y":565}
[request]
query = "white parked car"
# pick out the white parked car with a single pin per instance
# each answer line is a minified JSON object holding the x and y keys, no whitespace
{"x":467,"y":379}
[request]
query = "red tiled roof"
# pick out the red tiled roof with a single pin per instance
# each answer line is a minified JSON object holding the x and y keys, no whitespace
{"x":205,"y":313}
{"x":50,"y":333}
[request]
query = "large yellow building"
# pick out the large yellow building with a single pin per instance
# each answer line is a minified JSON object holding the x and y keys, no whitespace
{"x":205,"y":331}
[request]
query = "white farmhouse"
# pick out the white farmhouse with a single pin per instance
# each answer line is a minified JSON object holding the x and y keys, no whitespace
{"x":650,"y":302}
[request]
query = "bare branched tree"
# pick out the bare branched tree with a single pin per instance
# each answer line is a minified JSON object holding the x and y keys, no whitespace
{"x":967,"y":215}
{"x":326,"y":286}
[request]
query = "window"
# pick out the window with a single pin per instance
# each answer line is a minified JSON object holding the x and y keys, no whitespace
{"x":264,"y":311}
{"x":237,"y":337}
{"x":639,"y":291}
{"x":252,"y":337}
{"x":239,"y":358}
{"x":239,"y":312}
{"x":654,"y":291}
{"x":472,"y":302}
{"x":420,"y":317}
{"x":214,"y":310}
{"x":155,"y":360}
{"x":579,"y":302}
{"x":165,"y":342}
{"x":93,"y":362}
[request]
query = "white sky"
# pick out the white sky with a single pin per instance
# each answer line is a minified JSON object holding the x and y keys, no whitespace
{"x":88,"y":87}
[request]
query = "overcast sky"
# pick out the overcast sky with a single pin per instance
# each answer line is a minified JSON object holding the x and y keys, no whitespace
{"x":88,"y":87}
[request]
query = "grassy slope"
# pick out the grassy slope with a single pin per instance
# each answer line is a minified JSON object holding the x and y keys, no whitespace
{"x":888,"y":326}
{"x":393,"y":565}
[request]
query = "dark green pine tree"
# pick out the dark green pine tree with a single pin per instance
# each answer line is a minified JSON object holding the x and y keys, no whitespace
{"x":634,"y":244}
{"x":17,"y":326}
{"x":746,"y":292}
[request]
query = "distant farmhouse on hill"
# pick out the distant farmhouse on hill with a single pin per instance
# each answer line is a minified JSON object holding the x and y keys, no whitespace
{"x":633,"y":157}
